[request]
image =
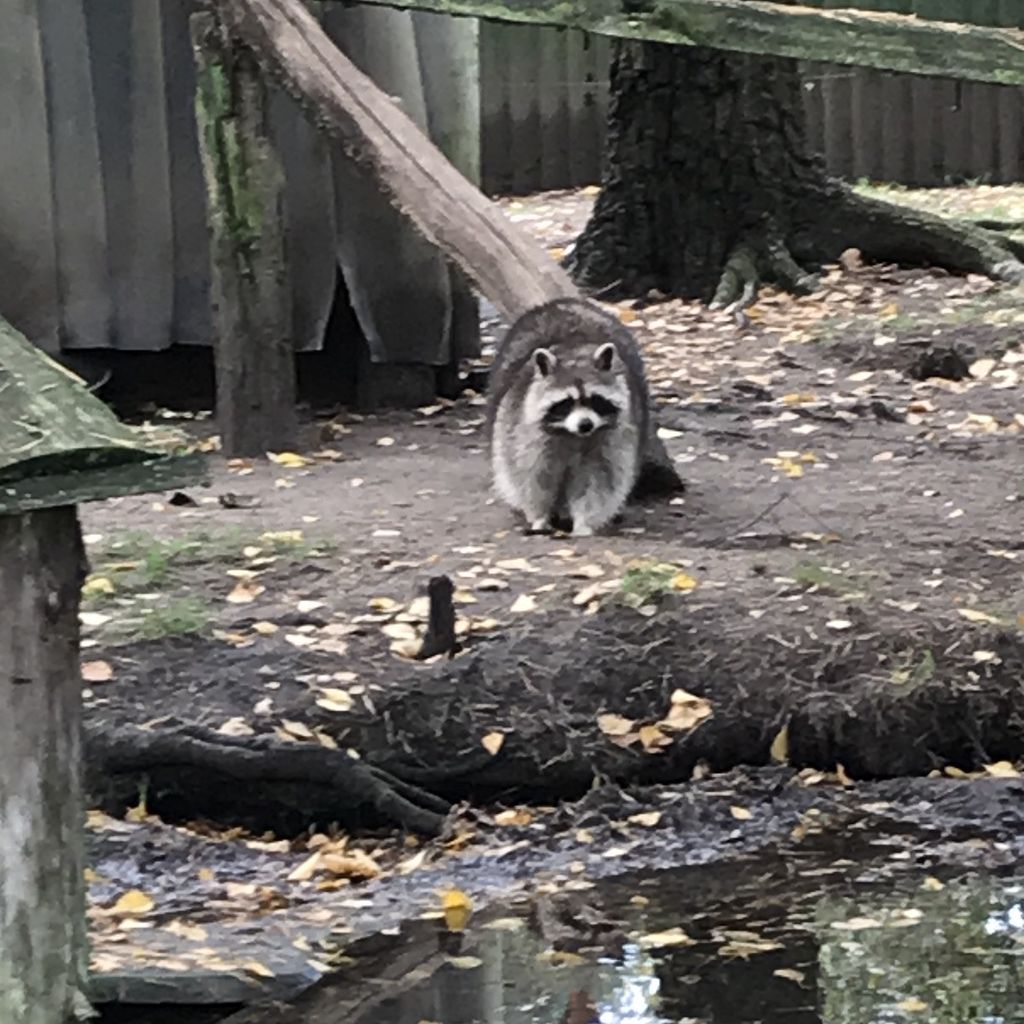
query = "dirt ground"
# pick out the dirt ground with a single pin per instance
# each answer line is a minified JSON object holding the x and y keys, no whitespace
{"x":853,"y":460}
{"x":850,"y":537}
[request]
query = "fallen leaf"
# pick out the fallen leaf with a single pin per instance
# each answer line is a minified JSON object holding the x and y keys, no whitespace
{"x":258,"y":969}
{"x":615,"y":725}
{"x":740,"y":813}
{"x":524,"y":603}
{"x":399,"y":631}
{"x":669,"y":937}
{"x":790,"y":974}
{"x":464,"y":963}
{"x":686,"y":711}
{"x":236,"y":727}
{"x":354,"y":864}
{"x":245,"y":591}
{"x":513,"y":816}
{"x":297,"y":729}
{"x":648,"y":819}
{"x":974,"y":615}
{"x":779,"y":751}
{"x":683,"y":581}
{"x":493,"y":742}
{"x":385,"y":442}
{"x":97,"y":671}
{"x":1001,"y":770}
{"x":93,"y":619}
{"x":912,"y":1005}
{"x":132,"y":903}
{"x":457,"y":908}
{"x":290,"y":460}
{"x":97,"y":585}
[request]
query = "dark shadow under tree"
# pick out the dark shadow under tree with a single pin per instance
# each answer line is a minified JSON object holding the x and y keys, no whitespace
{"x":710,"y":188}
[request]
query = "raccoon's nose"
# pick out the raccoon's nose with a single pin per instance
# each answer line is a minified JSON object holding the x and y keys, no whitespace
{"x":585,"y":426}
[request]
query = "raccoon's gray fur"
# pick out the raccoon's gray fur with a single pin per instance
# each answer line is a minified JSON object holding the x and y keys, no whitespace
{"x":567,"y":415}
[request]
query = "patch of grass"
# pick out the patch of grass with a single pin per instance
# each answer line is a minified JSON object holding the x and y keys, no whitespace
{"x":181,"y":617}
{"x":914,"y":670}
{"x":138,"y":562}
{"x":826,"y":579}
{"x":644,"y":583}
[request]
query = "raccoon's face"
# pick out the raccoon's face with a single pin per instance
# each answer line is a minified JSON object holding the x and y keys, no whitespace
{"x":578,"y":399}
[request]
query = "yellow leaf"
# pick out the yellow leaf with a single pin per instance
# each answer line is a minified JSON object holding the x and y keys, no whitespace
{"x":932,"y":884}
{"x":524,"y":603}
{"x":297,"y":729}
{"x":647,"y":818}
{"x":653,"y":738}
{"x":974,"y":615}
{"x":464,"y":963}
{"x":1001,"y":770}
{"x":97,"y":672}
{"x":669,"y":937}
{"x":889,"y":311}
{"x":790,"y":974}
{"x":912,"y":1005}
{"x":457,"y":908}
{"x":492,"y":742}
{"x":627,"y":316}
{"x":780,"y":746}
{"x":844,"y":779}
{"x":97,"y":585}
{"x":615,"y":725}
{"x":264,"y":628}
{"x":799,"y":398}
{"x":244,"y":592}
{"x":354,"y":864}
{"x":513,"y":816}
{"x":740,"y":813}
{"x":682,"y":581}
{"x":383,"y":604}
{"x":290,"y":460}
{"x":255,"y":967}
{"x":282,"y":537}
{"x":133,"y":903}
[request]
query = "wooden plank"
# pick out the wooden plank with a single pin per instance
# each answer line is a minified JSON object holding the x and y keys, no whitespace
{"x":845,"y":36}
{"x":588,"y":66}
{"x":495,"y":113}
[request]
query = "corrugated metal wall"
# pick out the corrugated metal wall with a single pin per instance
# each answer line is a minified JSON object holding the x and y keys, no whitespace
{"x":103,"y":238}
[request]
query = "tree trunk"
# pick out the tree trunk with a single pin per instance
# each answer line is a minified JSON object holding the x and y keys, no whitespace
{"x":255,"y":358}
{"x":42,"y":900}
{"x":709,"y":188}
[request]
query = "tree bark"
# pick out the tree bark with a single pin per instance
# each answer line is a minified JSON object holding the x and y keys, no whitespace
{"x":710,"y":188}
{"x":255,"y":359}
{"x":42,"y":897}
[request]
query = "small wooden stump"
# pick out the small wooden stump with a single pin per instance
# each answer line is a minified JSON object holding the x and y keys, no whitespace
{"x":42,"y":898}
{"x":59,"y":445}
{"x":254,"y":353}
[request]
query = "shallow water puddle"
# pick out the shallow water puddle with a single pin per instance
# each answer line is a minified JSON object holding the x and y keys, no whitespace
{"x":780,"y":943}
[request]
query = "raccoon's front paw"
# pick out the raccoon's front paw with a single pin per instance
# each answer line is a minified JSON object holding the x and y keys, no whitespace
{"x":542,"y":525}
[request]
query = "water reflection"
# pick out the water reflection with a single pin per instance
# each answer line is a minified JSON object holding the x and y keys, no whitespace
{"x":769,"y":945}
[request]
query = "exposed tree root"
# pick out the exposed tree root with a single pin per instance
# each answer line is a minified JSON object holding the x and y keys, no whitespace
{"x":888,"y":232}
{"x":207,"y":769}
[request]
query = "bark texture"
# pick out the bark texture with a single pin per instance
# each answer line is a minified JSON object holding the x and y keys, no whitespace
{"x":709,"y":188}
{"x":255,"y":359}
{"x":42,"y":897}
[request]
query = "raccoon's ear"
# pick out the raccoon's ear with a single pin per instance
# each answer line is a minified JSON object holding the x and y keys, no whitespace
{"x":544,"y":360}
{"x":604,"y":356}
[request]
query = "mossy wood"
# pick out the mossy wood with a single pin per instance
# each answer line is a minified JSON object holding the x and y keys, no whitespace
{"x":255,"y":357}
{"x":873,"y":39}
{"x":60,"y":445}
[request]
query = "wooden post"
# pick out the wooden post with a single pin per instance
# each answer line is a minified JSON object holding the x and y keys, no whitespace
{"x":42,"y":887}
{"x":255,"y":359}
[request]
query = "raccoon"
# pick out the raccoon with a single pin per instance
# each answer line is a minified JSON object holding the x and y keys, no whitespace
{"x":567,"y":416}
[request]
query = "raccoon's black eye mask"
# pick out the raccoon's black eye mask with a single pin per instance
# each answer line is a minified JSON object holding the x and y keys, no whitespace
{"x":603,"y":407}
